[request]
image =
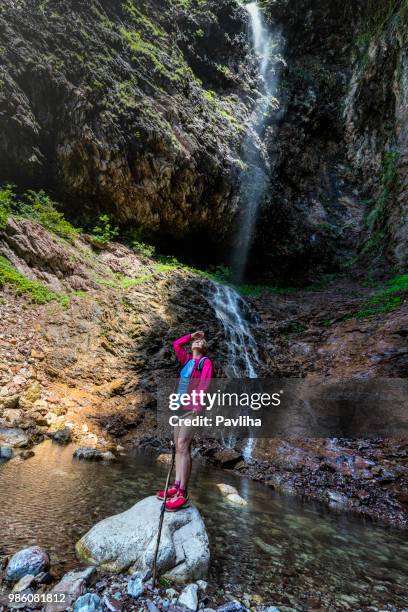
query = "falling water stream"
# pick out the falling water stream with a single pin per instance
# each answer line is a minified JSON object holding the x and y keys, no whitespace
{"x":232,"y":312}
{"x":242,"y":351}
{"x":266,"y":44}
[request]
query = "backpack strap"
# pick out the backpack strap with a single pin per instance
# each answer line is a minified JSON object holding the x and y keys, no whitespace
{"x":201,"y":363}
{"x":199,"y":366}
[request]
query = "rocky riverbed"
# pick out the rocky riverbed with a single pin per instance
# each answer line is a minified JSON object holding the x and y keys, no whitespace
{"x":86,"y":590}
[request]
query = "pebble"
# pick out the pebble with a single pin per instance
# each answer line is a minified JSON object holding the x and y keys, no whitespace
{"x":32,"y":560}
{"x":24,"y":583}
{"x":227,"y":489}
{"x":202,"y":585}
{"x":232,"y":606}
{"x":88,"y":603}
{"x":135,"y":585}
{"x":92,"y":454}
{"x":189,"y":597}
{"x":234,"y":498}
{"x":111,"y":604}
{"x":6,"y":452}
{"x":172,"y":594}
{"x":62,"y":436}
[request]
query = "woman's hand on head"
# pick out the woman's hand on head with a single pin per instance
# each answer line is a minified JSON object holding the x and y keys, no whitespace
{"x":198,"y":335}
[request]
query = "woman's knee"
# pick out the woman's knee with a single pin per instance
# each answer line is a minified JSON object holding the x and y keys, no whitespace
{"x":183,"y":445}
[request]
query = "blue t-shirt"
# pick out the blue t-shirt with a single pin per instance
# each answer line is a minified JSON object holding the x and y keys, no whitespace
{"x":185,"y":376}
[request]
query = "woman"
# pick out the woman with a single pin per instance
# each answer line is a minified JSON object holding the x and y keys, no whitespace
{"x":195,"y":374}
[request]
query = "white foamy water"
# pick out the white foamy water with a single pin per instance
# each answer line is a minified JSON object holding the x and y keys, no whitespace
{"x":242,"y":351}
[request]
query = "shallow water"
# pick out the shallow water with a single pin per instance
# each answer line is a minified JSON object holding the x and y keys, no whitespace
{"x":288,"y":552}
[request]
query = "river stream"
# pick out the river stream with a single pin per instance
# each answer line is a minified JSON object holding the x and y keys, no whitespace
{"x":277,"y":547}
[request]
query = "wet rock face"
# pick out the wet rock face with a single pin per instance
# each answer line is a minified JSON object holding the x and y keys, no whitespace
{"x":310,"y":218}
{"x":376,"y":122}
{"x":120,"y":105}
{"x":339,"y":140}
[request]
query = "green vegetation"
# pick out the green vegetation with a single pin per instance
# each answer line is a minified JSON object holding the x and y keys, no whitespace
{"x":166,"y":59}
{"x":185,"y":4}
{"x":6,"y":201}
{"x":36,"y":205}
{"x":381,"y":17}
{"x":222,"y":108}
{"x":142,"y":20}
{"x":210,"y":96}
{"x":385,"y":14}
{"x":133,"y":238}
{"x":104,"y":231}
{"x":225,"y":70}
{"x":370,"y":280}
{"x":294,"y":328}
{"x":120,"y":281}
{"x":126,"y":93}
{"x":20,"y":284}
{"x":377,"y":216}
{"x":147,"y":250}
{"x":385,"y":300}
{"x":41,"y":208}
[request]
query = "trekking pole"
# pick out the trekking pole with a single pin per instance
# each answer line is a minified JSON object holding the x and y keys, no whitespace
{"x":163,"y":508}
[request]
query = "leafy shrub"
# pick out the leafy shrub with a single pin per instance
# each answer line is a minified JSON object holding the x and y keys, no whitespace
{"x":41,"y":208}
{"x":9,"y":275}
{"x":36,"y":205}
{"x":147,"y":250}
{"x":6,"y":200}
{"x":104,"y":231}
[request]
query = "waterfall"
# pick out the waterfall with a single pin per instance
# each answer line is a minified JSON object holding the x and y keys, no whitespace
{"x":266,"y":45}
{"x":242,"y":356}
{"x":230,"y":309}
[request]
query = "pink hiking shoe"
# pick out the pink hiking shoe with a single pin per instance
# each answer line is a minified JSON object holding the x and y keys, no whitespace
{"x":178,"y":502}
{"x":171,"y":492}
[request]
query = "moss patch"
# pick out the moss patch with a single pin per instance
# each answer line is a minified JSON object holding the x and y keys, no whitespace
{"x":21,"y":285}
{"x":387,"y":299}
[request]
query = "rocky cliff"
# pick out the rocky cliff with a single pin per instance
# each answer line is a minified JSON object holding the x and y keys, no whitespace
{"x":338,"y":146}
{"x":376,"y":127}
{"x":135,"y":108}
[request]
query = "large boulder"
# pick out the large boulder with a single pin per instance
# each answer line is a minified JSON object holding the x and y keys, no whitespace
{"x":129,"y":539}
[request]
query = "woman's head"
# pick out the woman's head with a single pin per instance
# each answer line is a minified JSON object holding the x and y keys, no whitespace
{"x":200,"y":346}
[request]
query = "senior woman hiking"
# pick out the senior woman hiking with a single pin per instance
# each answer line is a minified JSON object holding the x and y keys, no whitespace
{"x":195,"y":374}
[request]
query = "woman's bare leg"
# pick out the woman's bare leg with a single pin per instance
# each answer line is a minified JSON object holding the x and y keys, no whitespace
{"x":178,"y":473}
{"x":183,"y":455}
